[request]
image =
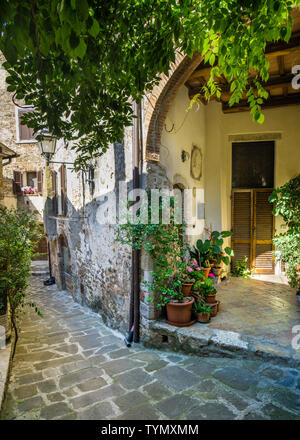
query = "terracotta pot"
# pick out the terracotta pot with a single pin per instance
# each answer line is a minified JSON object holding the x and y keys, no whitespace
{"x":211,"y":298}
{"x":203,"y":317}
{"x":218,"y":305}
{"x":180,"y":314}
{"x":216,"y":270}
{"x":205,"y":271}
{"x":214,"y":308}
{"x":186,"y":288}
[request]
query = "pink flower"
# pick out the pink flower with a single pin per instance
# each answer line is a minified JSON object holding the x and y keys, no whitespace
{"x":189,"y":269}
{"x":211,"y":275}
{"x":195,"y":263}
{"x":198,"y":268}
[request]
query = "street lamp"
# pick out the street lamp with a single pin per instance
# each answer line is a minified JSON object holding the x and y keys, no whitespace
{"x":47,"y":144}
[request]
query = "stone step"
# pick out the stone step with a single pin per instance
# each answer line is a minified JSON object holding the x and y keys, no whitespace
{"x":204,"y":341}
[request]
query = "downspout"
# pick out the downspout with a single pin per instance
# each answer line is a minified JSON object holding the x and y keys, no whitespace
{"x":134,"y":310}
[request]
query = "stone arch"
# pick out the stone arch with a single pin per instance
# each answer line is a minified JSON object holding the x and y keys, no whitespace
{"x":157,"y":104}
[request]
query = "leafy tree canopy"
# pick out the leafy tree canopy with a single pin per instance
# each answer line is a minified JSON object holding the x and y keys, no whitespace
{"x":80,"y":63}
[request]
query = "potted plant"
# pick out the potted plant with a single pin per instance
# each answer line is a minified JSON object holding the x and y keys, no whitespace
{"x":208,"y":291}
{"x":178,"y":306}
{"x":187,"y":281}
{"x":201,"y":253}
{"x":217,"y":255}
{"x":203,"y":312}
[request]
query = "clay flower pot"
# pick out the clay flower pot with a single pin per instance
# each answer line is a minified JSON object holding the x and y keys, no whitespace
{"x":218,"y":305}
{"x":216,"y":270}
{"x":203,"y":317}
{"x":180,"y":314}
{"x":214,"y":308}
{"x":186,"y":288}
{"x":211,"y":298}
{"x":205,"y":271}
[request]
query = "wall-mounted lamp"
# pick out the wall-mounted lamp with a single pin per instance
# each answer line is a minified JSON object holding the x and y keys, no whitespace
{"x":47,"y":144}
{"x":184,"y":155}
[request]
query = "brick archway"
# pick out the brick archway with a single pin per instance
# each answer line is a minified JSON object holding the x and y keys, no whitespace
{"x":157,"y":103}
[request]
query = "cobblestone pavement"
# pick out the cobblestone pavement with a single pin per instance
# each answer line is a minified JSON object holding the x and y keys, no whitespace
{"x":68,"y":365}
{"x":258,"y":308}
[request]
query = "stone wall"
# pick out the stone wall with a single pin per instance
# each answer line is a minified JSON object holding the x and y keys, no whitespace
{"x":29,"y":156}
{"x":99,"y":268}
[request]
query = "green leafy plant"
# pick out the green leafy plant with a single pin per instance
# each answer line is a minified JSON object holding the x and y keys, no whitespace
{"x":19,"y":233}
{"x":64,"y":57}
{"x":217,"y":241}
{"x":286,"y":200}
{"x":164,"y":244}
{"x":207,"y":288}
{"x":201,"y":307}
{"x":241,"y":269}
{"x":201,"y":252}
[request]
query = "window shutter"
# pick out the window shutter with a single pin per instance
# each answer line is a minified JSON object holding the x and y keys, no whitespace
{"x":25,"y":133}
{"x":18,"y":182}
{"x":54,"y":192}
{"x":63,"y":187}
{"x":40,"y":182}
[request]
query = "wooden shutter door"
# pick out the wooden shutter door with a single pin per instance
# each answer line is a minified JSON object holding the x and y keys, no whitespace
{"x":18,"y":182}
{"x":242,"y":225}
{"x":40,"y":182}
{"x":263,"y":232}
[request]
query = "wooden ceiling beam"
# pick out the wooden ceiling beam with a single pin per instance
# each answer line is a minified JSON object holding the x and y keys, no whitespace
{"x":274,"y":101}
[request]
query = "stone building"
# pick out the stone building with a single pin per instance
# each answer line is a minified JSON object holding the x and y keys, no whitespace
{"x":204,"y":150}
{"x":23,"y":170}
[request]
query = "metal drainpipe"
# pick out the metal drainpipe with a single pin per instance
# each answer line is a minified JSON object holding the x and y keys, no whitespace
{"x":134,"y":312}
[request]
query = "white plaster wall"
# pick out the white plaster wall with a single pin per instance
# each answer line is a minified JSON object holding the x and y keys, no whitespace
{"x":183,"y":129}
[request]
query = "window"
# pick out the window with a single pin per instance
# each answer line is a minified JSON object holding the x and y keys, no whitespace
{"x":24,"y":133}
{"x":32,"y":179}
{"x":253,"y":164}
{"x":28,"y":179}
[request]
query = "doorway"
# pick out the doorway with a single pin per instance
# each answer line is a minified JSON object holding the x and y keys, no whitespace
{"x":251,"y":217}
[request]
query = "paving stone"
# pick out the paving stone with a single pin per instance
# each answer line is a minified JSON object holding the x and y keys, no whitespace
{"x":130,"y":400}
{"x":92,"y":384}
{"x":74,"y":366}
{"x":25,"y":391}
{"x":201,"y":368}
{"x":255,"y":415}
{"x":211,"y":411}
{"x":157,"y":391}
{"x":236,"y":378}
{"x":89,"y":341}
{"x":96,"y":396}
{"x":57,"y":362}
{"x":146,"y":356}
{"x":156,"y":365}
{"x":143,"y":412}
{"x":119,"y":353}
{"x":68,"y":348}
{"x":176,"y":378}
{"x":30,"y":404}
{"x":78,"y":377}
{"x":273,"y":373}
{"x":55,"y":397}
{"x":29,"y":378}
{"x":134,"y":378}
{"x":276,"y":413}
{"x":48,"y":386}
{"x":55,"y":410}
{"x":112,"y":368}
{"x":176,"y":405}
{"x":97,"y":412}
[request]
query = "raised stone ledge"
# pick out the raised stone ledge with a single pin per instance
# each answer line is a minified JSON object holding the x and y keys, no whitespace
{"x":204,"y":341}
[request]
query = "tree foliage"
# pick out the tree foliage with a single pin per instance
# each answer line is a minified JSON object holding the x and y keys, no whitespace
{"x":80,"y":63}
{"x":286,"y":201}
{"x":19,"y":233}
